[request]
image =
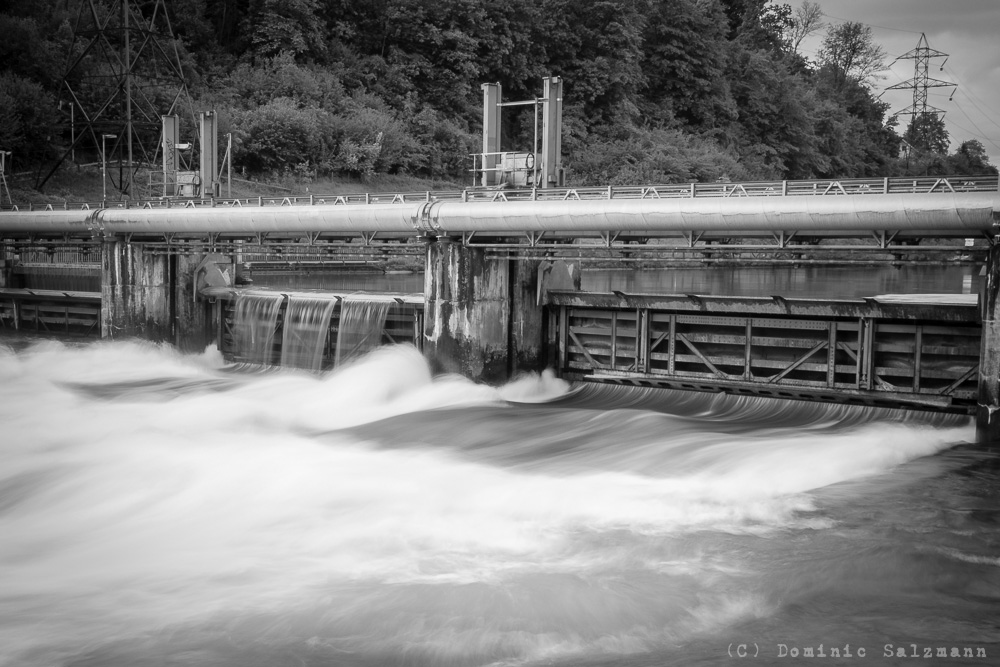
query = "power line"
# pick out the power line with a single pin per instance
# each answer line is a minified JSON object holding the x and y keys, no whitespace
{"x":972,"y":98}
{"x":870,"y":25}
{"x":981,"y":135}
{"x":967,"y":130}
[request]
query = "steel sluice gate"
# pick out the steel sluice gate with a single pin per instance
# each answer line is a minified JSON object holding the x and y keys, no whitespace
{"x":860,"y":352}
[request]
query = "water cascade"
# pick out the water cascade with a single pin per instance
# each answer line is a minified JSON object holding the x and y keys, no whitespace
{"x":362,"y":321}
{"x":255,"y":320}
{"x":306,"y":324}
{"x":301,"y":323}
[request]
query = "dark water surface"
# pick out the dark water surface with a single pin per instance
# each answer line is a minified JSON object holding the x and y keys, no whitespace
{"x":790,"y":281}
{"x":160,"y":509}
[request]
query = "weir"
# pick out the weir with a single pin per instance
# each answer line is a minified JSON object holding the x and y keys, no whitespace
{"x":361,"y":326}
{"x":501,"y":279}
{"x":255,"y":327}
{"x":312,"y":331}
{"x":305,"y":330}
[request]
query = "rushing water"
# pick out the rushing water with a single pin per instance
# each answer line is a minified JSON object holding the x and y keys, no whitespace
{"x":161,"y":509}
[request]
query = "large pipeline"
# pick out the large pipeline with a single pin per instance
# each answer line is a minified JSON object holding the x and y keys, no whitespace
{"x":968,"y":212}
{"x":950,"y":214}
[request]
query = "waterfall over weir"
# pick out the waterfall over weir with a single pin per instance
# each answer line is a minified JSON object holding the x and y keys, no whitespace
{"x":362,"y":321}
{"x":306,"y":325}
{"x":309,"y":331}
{"x":255,"y":320}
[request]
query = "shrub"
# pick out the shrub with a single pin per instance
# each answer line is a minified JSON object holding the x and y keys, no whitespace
{"x":277,"y":135}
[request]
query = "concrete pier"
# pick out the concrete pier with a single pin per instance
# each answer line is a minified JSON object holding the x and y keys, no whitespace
{"x":988,"y":408}
{"x":152,"y":296}
{"x":481,"y":318}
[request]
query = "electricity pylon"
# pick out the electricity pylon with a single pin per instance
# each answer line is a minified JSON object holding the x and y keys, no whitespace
{"x":921,"y":80}
{"x":124,"y":73}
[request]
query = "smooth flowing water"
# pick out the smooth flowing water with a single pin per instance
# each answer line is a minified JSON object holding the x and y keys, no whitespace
{"x":305,"y":330}
{"x":255,"y":323}
{"x":161,"y":509}
{"x":362,"y":321}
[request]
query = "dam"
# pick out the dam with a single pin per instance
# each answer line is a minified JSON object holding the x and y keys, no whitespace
{"x":502,"y":293}
{"x":670,"y":507}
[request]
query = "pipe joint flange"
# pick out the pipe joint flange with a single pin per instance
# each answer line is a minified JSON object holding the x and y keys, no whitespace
{"x":425,"y":219}
{"x":95,"y":225}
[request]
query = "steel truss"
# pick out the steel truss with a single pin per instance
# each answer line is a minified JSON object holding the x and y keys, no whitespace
{"x":124,"y":73}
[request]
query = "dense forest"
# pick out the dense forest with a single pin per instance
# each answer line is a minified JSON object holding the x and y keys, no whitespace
{"x":655,"y":91}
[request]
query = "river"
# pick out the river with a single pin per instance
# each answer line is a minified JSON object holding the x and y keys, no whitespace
{"x":167,"y":509}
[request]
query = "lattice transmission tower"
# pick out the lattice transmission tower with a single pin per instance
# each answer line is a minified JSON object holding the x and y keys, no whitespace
{"x":124,"y":73}
{"x":921,"y":81}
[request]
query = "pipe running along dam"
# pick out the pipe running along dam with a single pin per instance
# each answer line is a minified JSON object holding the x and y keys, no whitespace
{"x":501,"y":284}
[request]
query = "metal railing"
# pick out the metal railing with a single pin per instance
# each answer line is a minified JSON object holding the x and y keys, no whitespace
{"x":808,"y":188}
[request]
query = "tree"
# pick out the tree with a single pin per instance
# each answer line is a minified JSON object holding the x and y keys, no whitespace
{"x":291,"y":26}
{"x":27,"y":119}
{"x":970,"y":159}
{"x":873,"y":145}
{"x":685,"y":58}
{"x":775,"y":134}
{"x":808,"y":19}
{"x":850,"y":51}
{"x":597,"y":48}
{"x":927,"y":132}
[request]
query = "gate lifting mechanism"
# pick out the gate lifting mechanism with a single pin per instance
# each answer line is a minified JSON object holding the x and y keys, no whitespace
{"x":499,"y":169}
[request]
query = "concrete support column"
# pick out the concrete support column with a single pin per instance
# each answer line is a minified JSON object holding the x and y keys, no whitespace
{"x":136,"y":299}
{"x":151,"y":296}
{"x":552,"y":133}
{"x":171,"y":133}
{"x":194,"y":324}
{"x":988,"y":411}
{"x":480,"y":315}
{"x":209,"y":155}
{"x":491,"y":134}
{"x":6,"y":272}
{"x":527,"y":325}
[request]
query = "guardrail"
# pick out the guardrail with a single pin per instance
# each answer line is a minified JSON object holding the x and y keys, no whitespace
{"x":809,"y":188}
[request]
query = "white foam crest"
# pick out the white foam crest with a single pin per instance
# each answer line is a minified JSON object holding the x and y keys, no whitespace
{"x":790,"y":462}
{"x":105,"y":361}
{"x":535,"y":388}
{"x":387,"y":382}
